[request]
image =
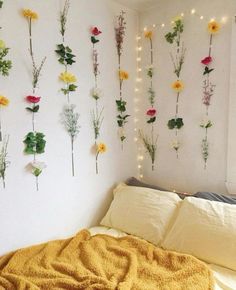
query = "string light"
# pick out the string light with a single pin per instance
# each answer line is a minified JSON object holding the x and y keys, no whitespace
{"x":192,"y":12}
{"x":136,"y":100}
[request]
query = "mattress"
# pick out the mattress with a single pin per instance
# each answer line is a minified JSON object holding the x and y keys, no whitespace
{"x":225,"y":279}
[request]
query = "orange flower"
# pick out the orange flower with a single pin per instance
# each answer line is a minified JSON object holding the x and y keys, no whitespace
{"x":123,"y":75}
{"x":178,"y":86}
{"x":101,"y":148}
{"x":29,"y":14}
{"x":213,"y":27}
{"x":148,"y":34}
{"x":4,"y":101}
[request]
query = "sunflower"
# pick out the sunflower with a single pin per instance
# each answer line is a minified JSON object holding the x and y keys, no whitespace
{"x":123,"y":75}
{"x":101,"y":148}
{"x":29,"y":14}
{"x":148,"y":34}
{"x":213,"y":27}
{"x":178,"y":86}
{"x":4,"y":101}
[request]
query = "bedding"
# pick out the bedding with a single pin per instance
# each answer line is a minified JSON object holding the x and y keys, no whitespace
{"x":225,"y":279}
{"x":143,"y":212}
{"x":102,"y":262}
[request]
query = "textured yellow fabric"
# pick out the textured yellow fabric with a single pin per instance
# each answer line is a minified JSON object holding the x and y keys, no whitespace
{"x":102,"y":262}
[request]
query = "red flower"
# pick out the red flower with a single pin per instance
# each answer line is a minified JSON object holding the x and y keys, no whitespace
{"x":95,"y":31}
{"x":33,"y":99}
{"x":151,"y":112}
{"x":207,"y":60}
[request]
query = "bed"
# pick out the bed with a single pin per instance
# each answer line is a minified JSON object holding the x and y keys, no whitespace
{"x":148,"y":239}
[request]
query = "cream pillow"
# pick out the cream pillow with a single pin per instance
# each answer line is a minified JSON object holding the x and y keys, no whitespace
{"x":205,"y":229}
{"x":142,"y":212}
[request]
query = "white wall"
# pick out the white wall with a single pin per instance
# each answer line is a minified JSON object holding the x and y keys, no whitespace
{"x":64,"y":204}
{"x":187,"y":173}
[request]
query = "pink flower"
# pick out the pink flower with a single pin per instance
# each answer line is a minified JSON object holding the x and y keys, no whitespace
{"x":207,"y":60}
{"x":151,"y":112}
{"x":33,"y":99}
{"x":95,"y":31}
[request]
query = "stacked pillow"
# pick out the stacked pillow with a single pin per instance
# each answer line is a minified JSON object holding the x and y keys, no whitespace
{"x":196,"y":226}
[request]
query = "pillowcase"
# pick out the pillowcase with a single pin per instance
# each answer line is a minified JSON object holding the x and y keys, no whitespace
{"x":132,"y":181}
{"x":143,"y":212}
{"x":205,"y":229}
{"x":215,"y":197}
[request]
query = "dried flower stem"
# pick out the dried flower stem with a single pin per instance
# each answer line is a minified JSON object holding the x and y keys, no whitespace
{"x":3,"y":159}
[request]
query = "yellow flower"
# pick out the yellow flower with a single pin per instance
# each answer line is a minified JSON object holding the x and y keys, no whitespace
{"x":67,"y":77}
{"x":4,"y":101}
{"x":101,"y":148}
{"x":213,"y":27}
{"x":178,"y":86}
{"x":27,"y":13}
{"x":2,"y":44}
{"x":123,"y":75}
{"x":148,"y":34}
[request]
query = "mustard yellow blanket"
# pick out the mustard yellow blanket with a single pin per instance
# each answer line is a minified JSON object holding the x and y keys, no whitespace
{"x":102,"y":262}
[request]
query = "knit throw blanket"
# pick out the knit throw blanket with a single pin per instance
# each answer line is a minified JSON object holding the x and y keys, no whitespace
{"x":102,"y":262}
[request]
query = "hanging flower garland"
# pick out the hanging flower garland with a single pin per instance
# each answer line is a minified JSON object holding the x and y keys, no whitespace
{"x":34,"y":141}
{"x":5,"y":66}
{"x":69,"y":116}
{"x":122,"y":75}
{"x":174,"y":37}
{"x":150,"y":143}
{"x":97,"y":113}
{"x":208,"y":90}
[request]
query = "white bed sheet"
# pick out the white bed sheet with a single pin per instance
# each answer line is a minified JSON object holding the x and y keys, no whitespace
{"x":225,"y":279}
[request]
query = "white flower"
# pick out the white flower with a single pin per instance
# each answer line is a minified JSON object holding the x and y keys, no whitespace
{"x":175,"y":144}
{"x":37,"y":167}
{"x":96,"y":93}
{"x":206,"y":123}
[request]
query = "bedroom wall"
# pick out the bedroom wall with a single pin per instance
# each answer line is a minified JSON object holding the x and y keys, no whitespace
{"x":187,"y":173}
{"x":63,"y":205}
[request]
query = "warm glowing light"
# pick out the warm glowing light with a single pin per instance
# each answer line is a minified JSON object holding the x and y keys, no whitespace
{"x":136,"y":90}
{"x":138,"y":80}
{"x":139,"y":166}
{"x":154,"y":25}
{"x":145,"y":29}
{"x":163,"y":25}
{"x":140,"y":157}
{"x":193,"y":11}
{"x":139,"y":70}
{"x":141,"y":176}
{"x":224,"y":19}
{"x":135,"y":129}
{"x":201,"y":17}
{"x":212,"y":20}
{"x":139,"y":59}
{"x":138,"y":37}
{"x":182,"y":14}
{"x":172,"y":22}
{"x":139,"y":48}
{"x":135,"y":139}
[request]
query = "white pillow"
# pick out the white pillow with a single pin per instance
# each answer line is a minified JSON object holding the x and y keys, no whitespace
{"x":205,"y":229}
{"x":142,"y":212}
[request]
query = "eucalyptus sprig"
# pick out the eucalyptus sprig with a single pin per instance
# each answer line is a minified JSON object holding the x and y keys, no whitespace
{"x":63,"y":17}
{"x":150,"y":145}
{"x":5,"y":64}
{"x":4,"y":163}
{"x":121,"y":118}
{"x":97,"y":119}
{"x":70,"y":121}
{"x":176,"y":123}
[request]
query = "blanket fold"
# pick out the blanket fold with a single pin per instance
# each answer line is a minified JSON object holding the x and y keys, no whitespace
{"x":102,"y":262}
